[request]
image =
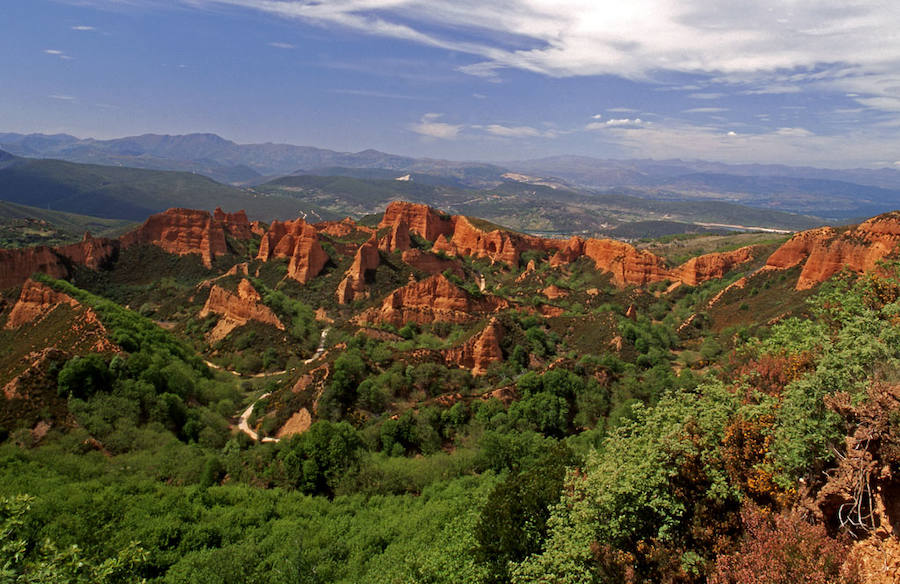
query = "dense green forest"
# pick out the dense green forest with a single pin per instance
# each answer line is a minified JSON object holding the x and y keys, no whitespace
{"x":648,"y":476}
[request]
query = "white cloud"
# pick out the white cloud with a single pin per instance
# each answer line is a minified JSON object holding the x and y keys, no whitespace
{"x":597,"y":117}
{"x":710,"y":95}
{"x":84,"y":28}
{"x":622,"y":110}
{"x":373,"y":93}
{"x":430,"y":127}
{"x":58,"y":53}
{"x":616,"y":123}
{"x":282,"y":45}
{"x":62,"y":97}
{"x":512,"y":131}
{"x":705,"y":110}
{"x":767,"y":46}
{"x":799,"y":132}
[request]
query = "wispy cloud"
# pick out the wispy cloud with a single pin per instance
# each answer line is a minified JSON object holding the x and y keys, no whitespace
{"x":57,"y":53}
{"x":373,"y":93}
{"x":512,"y":131}
{"x":622,"y":110}
{"x":616,"y":123}
{"x":278,"y":45}
{"x":62,"y":97}
{"x":84,"y":28}
{"x":705,"y":110}
{"x":430,"y":127}
{"x":707,"y":95}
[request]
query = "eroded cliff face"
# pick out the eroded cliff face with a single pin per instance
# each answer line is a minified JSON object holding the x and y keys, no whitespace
{"x":431,"y":300}
{"x":420,"y":219}
{"x":468,"y":240}
{"x":430,"y":263}
{"x":299,"y":242}
{"x":343,"y":228}
{"x":18,"y":265}
{"x":712,"y":266}
{"x":479,"y":352}
{"x":630,"y":266}
{"x":237,"y":309}
{"x":92,"y":252}
{"x":36,"y":301}
{"x":397,"y":239}
{"x":236,"y":224}
{"x":360,"y":273}
{"x":824,"y":252}
{"x":183,"y":232}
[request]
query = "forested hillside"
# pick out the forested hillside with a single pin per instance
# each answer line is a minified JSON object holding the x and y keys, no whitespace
{"x":428,"y":397}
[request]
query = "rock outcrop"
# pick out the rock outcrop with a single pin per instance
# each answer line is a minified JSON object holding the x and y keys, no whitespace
{"x":83,"y":330}
{"x":479,"y":352}
{"x":824,"y":252}
{"x":420,"y":219}
{"x":299,"y":242}
{"x":630,"y":266}
{"x":237,"y":309}
{"x":343,"y":228}
{"x":360,"y":273}
{"x":236,"y":224}
{"x":397,"y":239}
{"x":431,"y":300}
{"x":92,"y":252}
{"x":182,"y":232}
{"x":712,"y":266}
{"x":36,"y":301}
{"x":430,"y":263}
{"x":17,"y":265}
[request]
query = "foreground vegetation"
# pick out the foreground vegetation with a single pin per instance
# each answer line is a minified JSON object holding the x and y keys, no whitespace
{"x":606,"y":469}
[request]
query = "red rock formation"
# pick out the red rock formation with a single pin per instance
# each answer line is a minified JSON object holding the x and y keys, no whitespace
{"x":35,"y":301}
{"x":236,"y":224}
{"x":343,"y":228}
{"x":433,"y":299}
{"x":570,"y":251}
{"x":361,"y":272}
{"x":430,"y":263}
{"x":553,"y":292}
{"x":712,"y":266}
{"x":497,"y":245}
{"x":631,"y":312}
{"x":824,"y":252}
{"x":627,"y":264}
{"x":795,"y":250}
{"x":630,"y":266}
{"x":17,"y":265}
{"x":398,"y":238}
{"x":237,"y":309}
{"x":298,"y":241}
{"x":421,"y":219}
{"x":479,"y":352}
{"x":92,"y":252}
{"x":257,"y":228}
{"x":182,"y":232}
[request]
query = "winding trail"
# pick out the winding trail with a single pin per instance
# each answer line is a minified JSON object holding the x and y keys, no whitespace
{"x":243,"y":423}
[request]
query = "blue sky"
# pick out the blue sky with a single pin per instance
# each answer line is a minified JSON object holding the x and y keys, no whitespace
{"x":813,"y":82}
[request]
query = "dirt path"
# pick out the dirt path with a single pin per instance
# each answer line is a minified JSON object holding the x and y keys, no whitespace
{"x":243,"y":423}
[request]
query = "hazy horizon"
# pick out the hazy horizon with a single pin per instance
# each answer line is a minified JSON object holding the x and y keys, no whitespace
{"x":810,"y":83}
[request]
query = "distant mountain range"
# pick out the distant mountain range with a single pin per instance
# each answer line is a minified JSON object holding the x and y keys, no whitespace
{"x":837,"y":195}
